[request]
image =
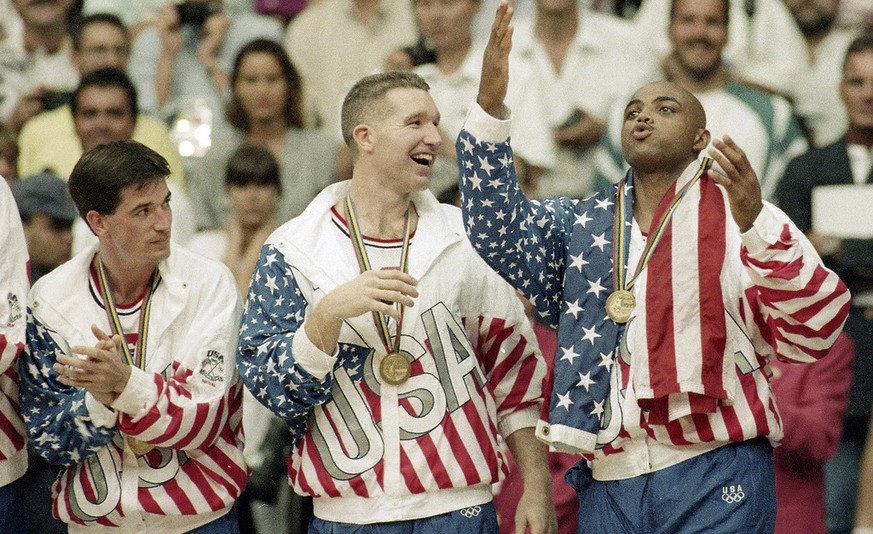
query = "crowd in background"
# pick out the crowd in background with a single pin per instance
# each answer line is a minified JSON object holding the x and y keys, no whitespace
{"x":243,"y":100}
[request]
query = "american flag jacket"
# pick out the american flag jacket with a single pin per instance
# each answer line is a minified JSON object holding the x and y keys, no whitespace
{"x":366,"y":450}
{"x":13,"y":307}
{"x":778,"y":300}
{"x":186,"y":403}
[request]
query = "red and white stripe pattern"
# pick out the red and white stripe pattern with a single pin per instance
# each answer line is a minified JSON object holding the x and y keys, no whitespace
{"x":686,"y":365}
{"x":461,"y":450}
{"x":207,"y":477}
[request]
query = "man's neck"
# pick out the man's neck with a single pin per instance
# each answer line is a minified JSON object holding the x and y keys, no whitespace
{"x":267,"y":130}
{"x":49,"y":38}
{"x":451,"y":58}
{"x":813,"y":39}
{"x":649,"y":189}
{"x":366,"y":11}
{"x":128,"y":282}
{"x":556,"y":31}
{"x":381,"y":214}
{"x":717,"y":79}
{"x":860,"y":136}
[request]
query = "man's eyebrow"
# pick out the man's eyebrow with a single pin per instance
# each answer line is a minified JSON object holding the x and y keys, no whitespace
{"x":656,"y":100}
{"x":667,"y":99}
{"x":632,"y":102}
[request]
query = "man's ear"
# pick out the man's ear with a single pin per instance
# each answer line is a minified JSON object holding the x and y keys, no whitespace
{"x":364,"y":137}
{"x":97,"y":223}
{"x":701,"y":140}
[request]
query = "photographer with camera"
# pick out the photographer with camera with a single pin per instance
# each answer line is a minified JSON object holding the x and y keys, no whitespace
{"x":188,"y":53}
{"x":36,"y":68}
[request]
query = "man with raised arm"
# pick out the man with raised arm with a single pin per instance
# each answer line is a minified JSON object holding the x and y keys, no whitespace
{"x":661,"y":381}
{"x":392,"y":352}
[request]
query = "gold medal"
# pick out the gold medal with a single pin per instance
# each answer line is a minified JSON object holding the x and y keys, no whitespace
{"x":619,"y":305}
{"x":395,"y":368}
{"x":138,"y":446}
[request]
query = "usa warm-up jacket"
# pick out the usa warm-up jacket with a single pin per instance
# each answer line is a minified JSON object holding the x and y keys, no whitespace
{"x":13,"y":305}
{"x":689,"y":370}
{"x":186,"y":403}
{"x":366,"y":450}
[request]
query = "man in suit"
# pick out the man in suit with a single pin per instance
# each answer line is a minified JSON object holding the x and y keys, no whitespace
{"x":847,"y":161}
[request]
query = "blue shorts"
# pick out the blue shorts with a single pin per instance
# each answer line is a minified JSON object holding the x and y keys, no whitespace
{"x":12,"y":507}
{"x":480,"y":519}
{"x":728,"y":490}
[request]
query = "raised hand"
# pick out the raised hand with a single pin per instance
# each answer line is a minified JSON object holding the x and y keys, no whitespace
{"x":740,"y":181}
{"x":495,"y":62}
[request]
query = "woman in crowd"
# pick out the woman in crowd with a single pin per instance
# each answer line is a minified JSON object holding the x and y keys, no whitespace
{"x":265,"y":109}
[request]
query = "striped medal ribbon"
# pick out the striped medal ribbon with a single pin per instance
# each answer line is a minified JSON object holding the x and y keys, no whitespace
{"x":138,"y":447}
{"x":395,"y":368}
{"x":621,"y":302}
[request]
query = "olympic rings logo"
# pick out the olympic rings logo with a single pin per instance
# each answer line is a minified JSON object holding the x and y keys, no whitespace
{"x":471,"y":512}
{"x":732,"y":494}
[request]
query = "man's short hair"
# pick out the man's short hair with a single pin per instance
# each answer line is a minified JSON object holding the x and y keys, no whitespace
{"x":364,"y":100}
{"x":725,"y":3}
{"x":252,"y":164}
{"x":102,"y":172}
{"x":862,"y":43}
{"x":95,"y":18}
{"x":106,"y":78}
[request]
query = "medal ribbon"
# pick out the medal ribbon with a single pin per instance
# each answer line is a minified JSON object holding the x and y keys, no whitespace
{"x":622,"y":243}
{"x":364,"y":263}
{"x":115,"y":322}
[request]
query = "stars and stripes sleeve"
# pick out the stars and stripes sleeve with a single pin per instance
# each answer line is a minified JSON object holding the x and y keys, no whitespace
{"x":795,"y":302}
{"x":56,"y":416}
{"x":274,"y":365}
{"x":523,"y":240}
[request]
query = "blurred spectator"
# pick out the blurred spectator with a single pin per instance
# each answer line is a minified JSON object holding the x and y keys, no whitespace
{"x":762,"y":123}
{"x":47,"y":215}
{"x":334,"y":43}
{"x":845,"y":162}
{"x":252,"y":183}
{"x":104,"y":110}
{"x":49,"y":140}
{"x":816,"y":92}
{"x":138,"y":15}
{"x":764,"y":45}
{"x":35,"y":66}
{"x":181,"y":64}
{"x":574,"y":56}
{"x":447,"y":25}
{"x":856,"y":14}
{"x":811,"y":399}
{"x":135,"y":15}
{"x":265,"y":108}
{"x":253,"y":187}
{"x":8,"y":155}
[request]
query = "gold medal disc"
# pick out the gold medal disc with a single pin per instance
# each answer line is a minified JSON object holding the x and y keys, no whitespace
{"x":619,"y":305}
{"x":395,"y":368}
{"x":138,"y":446}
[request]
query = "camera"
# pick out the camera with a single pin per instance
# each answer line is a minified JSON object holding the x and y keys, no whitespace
{"x":196,"y":13}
